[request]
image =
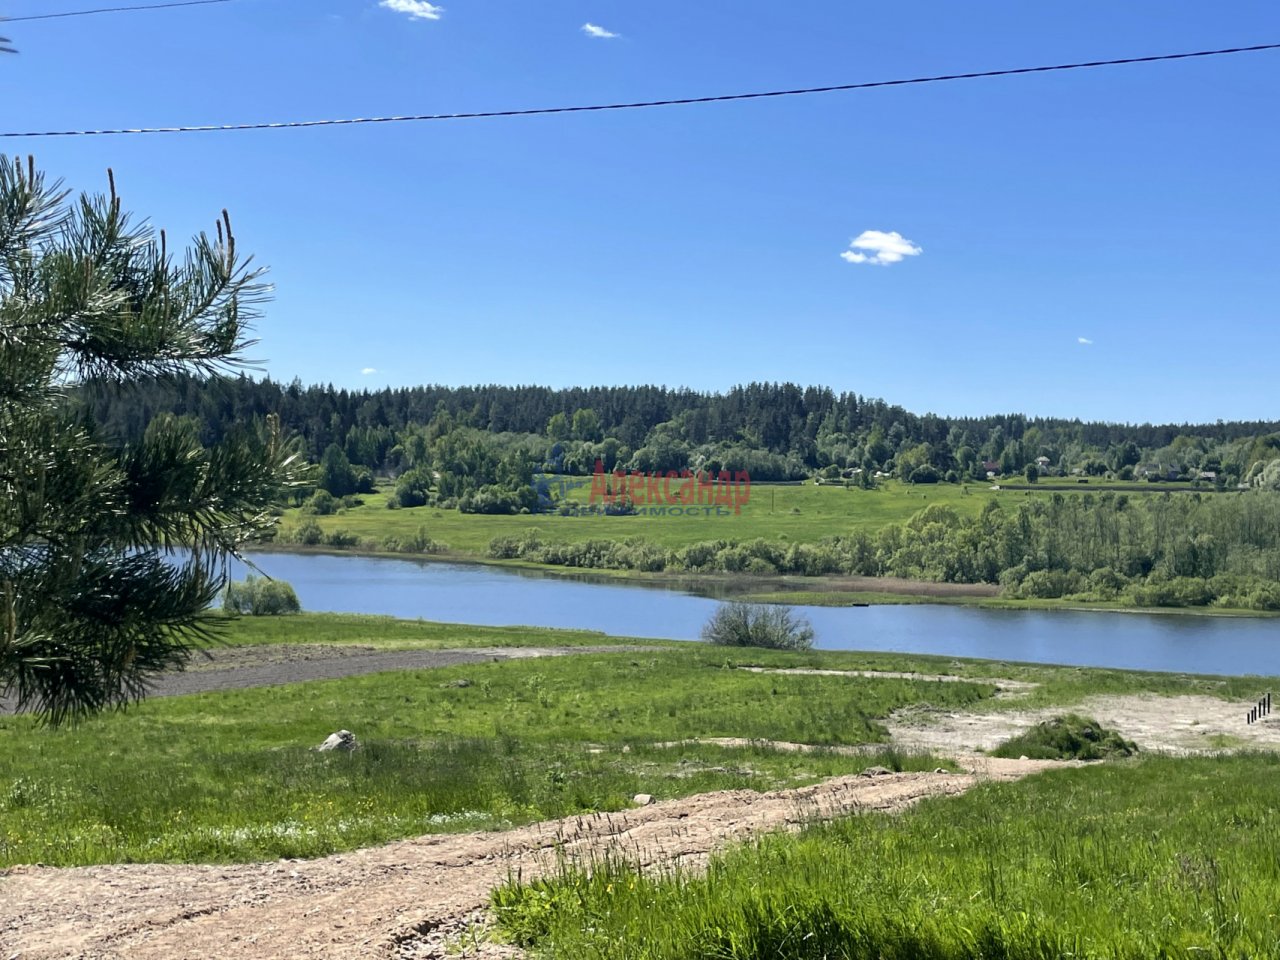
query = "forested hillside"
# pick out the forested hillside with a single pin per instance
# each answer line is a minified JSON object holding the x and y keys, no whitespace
{"x":775,"y":431}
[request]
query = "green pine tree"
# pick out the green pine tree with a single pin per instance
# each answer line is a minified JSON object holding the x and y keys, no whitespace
{"x":93,"y":598}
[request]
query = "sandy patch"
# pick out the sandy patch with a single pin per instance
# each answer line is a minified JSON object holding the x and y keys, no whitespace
{"x":1177,"y":725}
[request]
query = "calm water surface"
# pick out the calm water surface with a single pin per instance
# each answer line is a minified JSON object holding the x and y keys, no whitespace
{"x":497,"y":597}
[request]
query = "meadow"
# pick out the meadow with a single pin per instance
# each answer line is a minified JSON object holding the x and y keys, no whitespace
{"x":1054,"y":684}
{"x":937,"y":542}
{"x":230,"y":776}
{"x":1160,"y":857}
{"x":799,"y":513}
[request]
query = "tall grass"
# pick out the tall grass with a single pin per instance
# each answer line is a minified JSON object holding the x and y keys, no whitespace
{"x":230,"y":776}
{"x":294,"y":802}
{"x":1163,"y":858}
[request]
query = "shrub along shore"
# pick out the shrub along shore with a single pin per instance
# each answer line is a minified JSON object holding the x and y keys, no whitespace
{"x":1141,"y":550}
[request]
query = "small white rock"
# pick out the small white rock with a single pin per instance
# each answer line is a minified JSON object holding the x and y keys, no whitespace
{"x":642,"y":799}
{"x":342,"y":740}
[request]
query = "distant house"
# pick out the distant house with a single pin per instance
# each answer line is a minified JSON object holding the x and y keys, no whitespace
{"x":1155,"y":471}
{"x":1210,"y":475}
{"x":1043,"y":464}
{"x":992,"y":467}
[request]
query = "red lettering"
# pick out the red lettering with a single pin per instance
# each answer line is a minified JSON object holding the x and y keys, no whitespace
{"x":706,"y":488}
{"x":654,"y":487}
{"x":599,"y":487}
{"x":741,"y":490}
{"x":688,"y":489}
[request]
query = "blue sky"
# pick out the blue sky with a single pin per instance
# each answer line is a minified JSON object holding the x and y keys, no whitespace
{"x":1132,"y":207}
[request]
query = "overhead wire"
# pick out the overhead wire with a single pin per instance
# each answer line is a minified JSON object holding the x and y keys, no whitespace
{"x":645,"y":104}
{"x":124,"y":9}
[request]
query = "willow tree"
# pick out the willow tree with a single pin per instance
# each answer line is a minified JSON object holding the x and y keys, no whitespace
{"x":111,"y":553}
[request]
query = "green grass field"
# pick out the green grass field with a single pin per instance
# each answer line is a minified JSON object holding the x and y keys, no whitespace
{"x":796,"y":513}
{"x":1163,"y":857}
{"x":1056,"y":685}
{"x":230,"y":776}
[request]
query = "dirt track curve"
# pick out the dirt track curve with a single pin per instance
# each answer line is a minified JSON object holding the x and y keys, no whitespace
{"x":407,"y":899}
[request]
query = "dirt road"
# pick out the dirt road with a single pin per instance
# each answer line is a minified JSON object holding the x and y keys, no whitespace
{"x":408,"y":899}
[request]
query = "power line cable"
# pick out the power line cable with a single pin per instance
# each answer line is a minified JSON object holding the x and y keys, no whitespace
{"x":724,"y":98}
{"x":86,"y":13}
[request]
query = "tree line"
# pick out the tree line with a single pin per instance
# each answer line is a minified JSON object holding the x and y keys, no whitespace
{"x":775,"y":431}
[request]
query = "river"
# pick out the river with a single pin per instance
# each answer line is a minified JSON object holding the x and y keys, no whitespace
{"x":494,"y":596}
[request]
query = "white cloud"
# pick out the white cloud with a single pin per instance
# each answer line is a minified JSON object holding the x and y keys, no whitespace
{"x":1084,"y":341}
{"x":368,"y":370}
{"x":600,"y":33}
{"x":878,"y":247}
{"x":418,"y":9}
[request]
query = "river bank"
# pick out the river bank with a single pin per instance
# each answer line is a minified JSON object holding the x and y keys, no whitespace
{"x":823,"y":591}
